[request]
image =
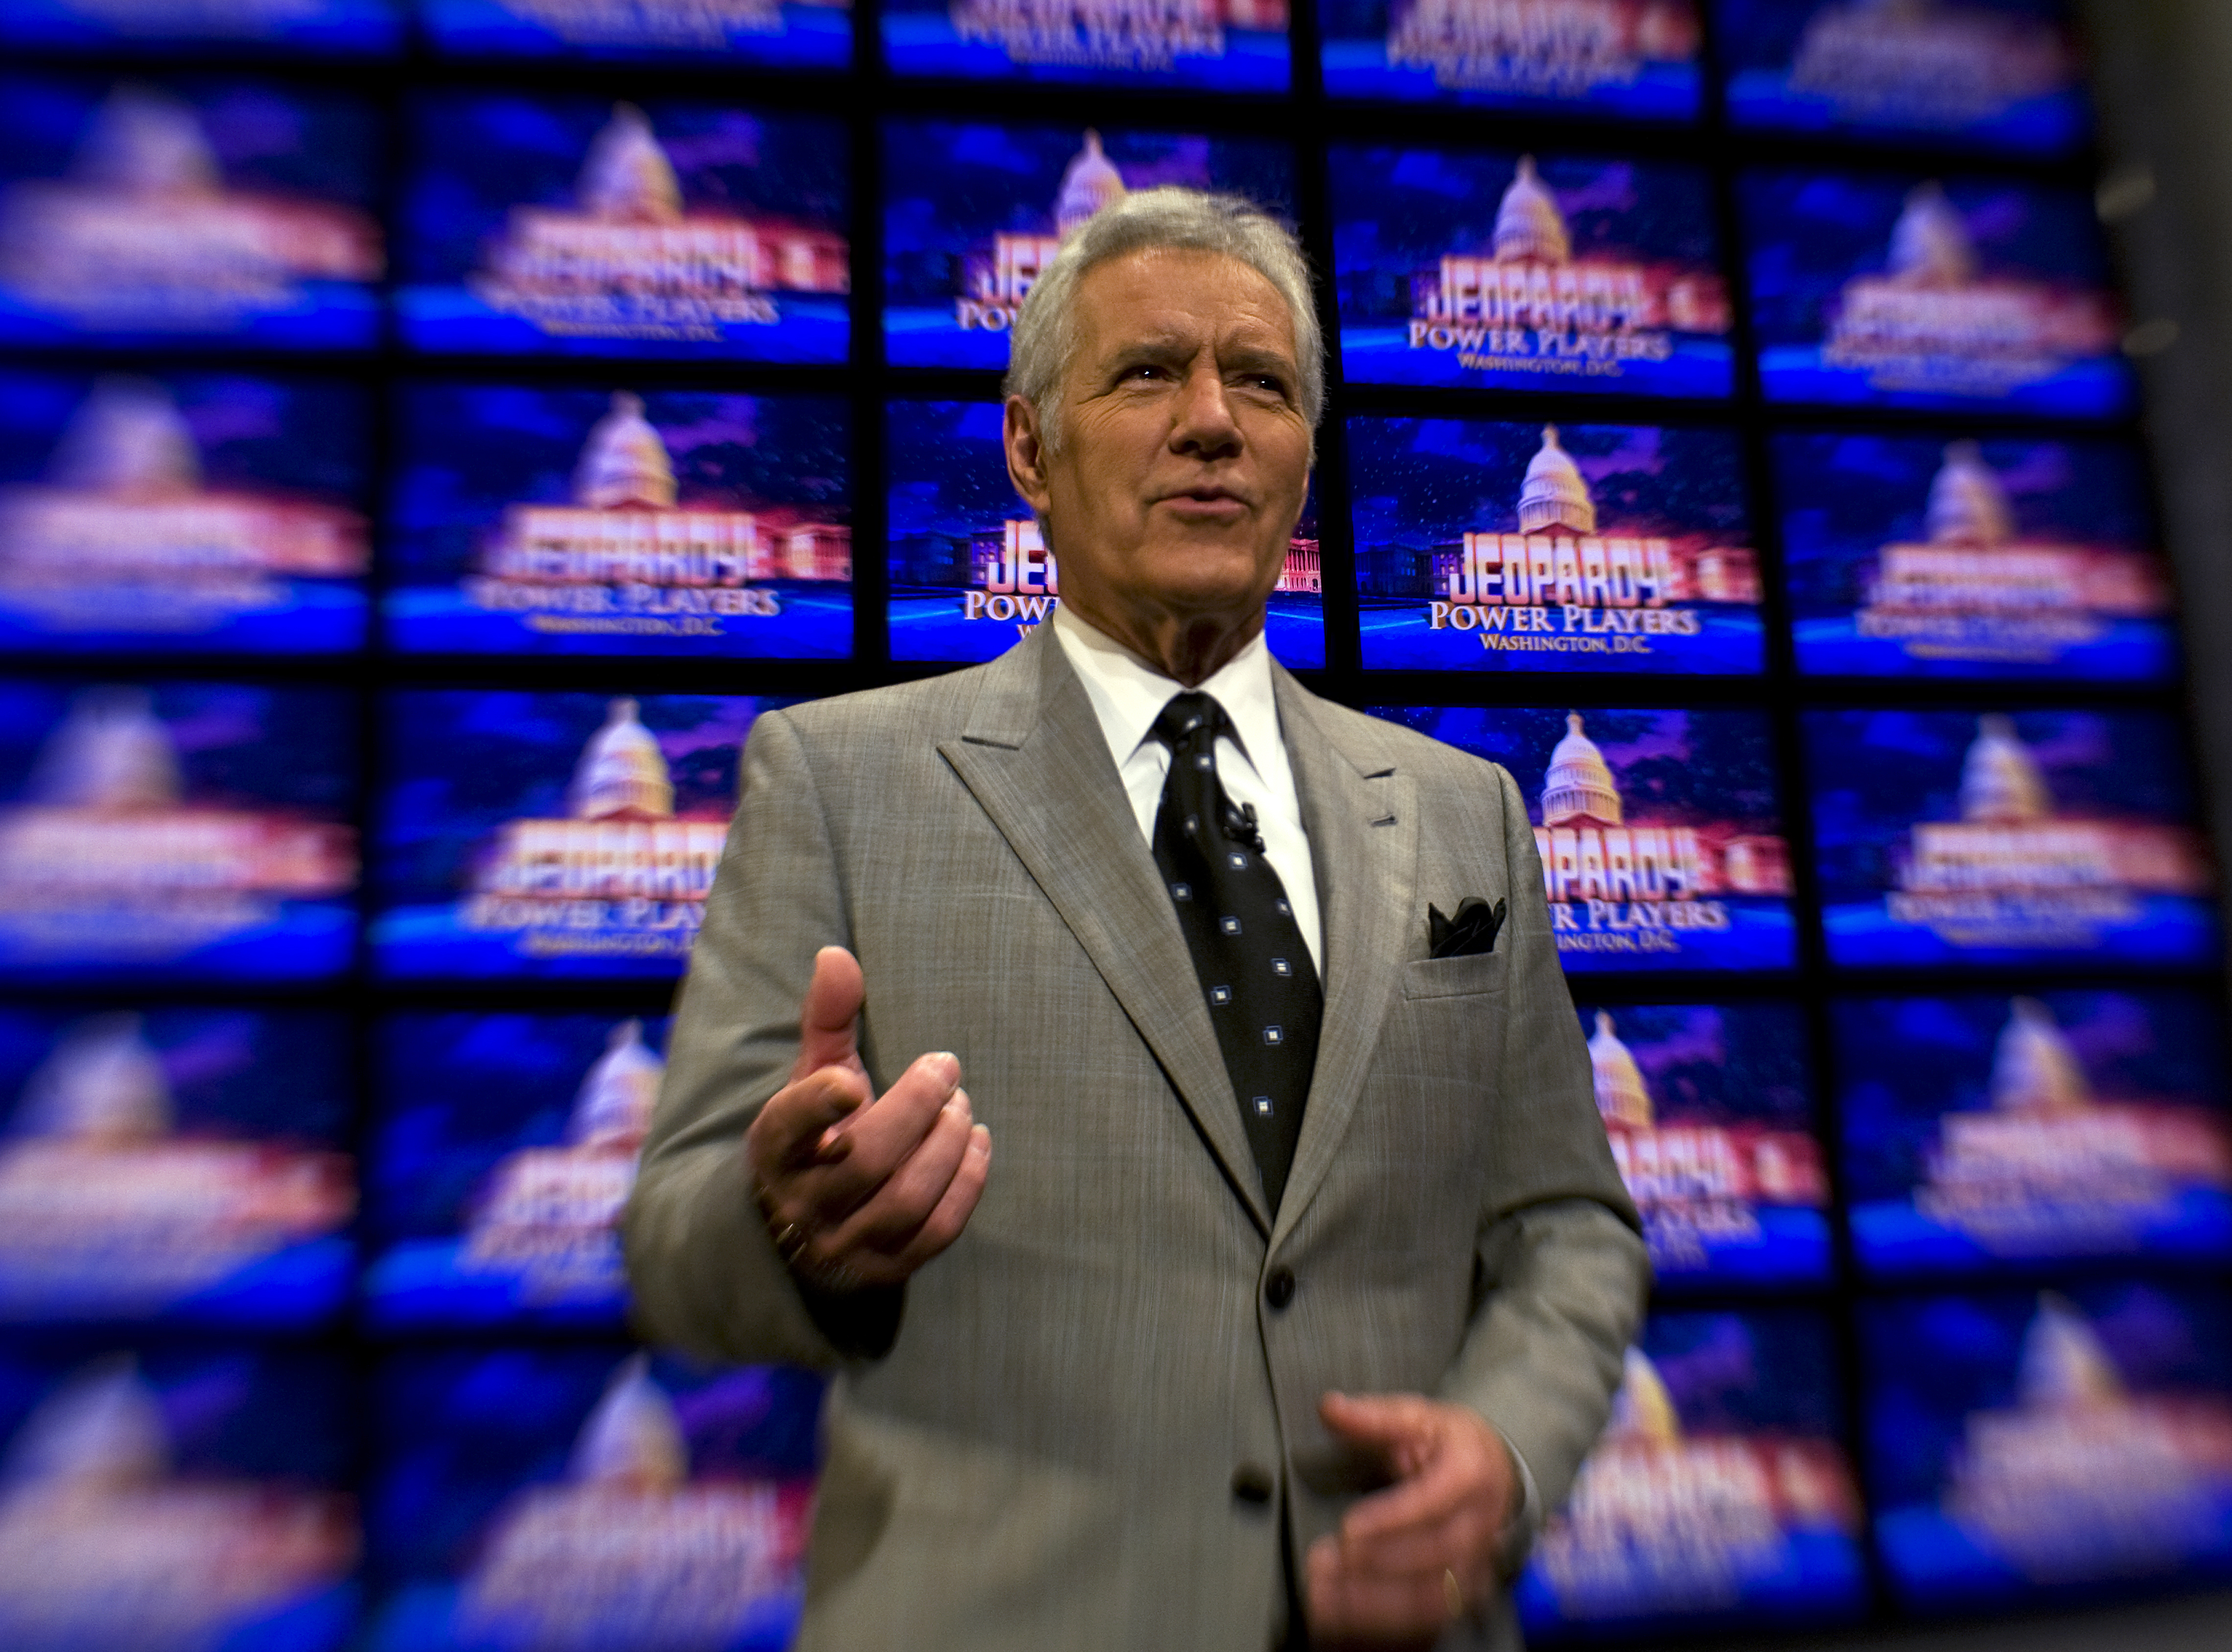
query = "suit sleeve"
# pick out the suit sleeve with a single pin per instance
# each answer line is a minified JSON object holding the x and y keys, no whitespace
{"x":1560,"y":1272}
{"x":702,"y":1265}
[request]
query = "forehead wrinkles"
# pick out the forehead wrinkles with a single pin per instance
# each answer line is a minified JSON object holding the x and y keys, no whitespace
{"x":1178,"y":301}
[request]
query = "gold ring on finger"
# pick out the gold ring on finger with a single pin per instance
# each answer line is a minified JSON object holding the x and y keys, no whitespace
{"x":1452,"y":1593}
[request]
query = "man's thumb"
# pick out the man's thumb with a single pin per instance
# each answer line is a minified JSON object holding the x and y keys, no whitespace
{"x":828,"y":1022}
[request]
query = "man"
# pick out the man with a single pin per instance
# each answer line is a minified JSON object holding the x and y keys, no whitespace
{"x":1298,"y":1282}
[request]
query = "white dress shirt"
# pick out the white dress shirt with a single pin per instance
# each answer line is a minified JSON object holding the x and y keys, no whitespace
{"x":1128,"y":694}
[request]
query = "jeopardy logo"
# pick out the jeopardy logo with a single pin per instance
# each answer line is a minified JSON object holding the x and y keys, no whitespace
{"x":631,"y":260}
{"x":1531,"y":306}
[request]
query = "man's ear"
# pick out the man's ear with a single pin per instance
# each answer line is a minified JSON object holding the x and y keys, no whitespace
{"x":1026,"y":453}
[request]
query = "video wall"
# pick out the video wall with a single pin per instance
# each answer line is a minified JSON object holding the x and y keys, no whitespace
{"x":429,"y":434}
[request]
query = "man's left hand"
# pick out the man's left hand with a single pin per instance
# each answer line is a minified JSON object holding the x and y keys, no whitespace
{"x":1409,"y":1559}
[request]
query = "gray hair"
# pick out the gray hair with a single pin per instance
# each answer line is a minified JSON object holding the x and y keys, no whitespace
{"x":1045,"y":335}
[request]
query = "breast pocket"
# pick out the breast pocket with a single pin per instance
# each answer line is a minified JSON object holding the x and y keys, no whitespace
{"x":1482,"y":972}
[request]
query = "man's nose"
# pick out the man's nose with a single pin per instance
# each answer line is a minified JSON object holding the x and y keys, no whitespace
{"x":1205,"y":426}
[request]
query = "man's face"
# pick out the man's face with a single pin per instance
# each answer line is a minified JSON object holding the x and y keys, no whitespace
{"x":1182,"y":456}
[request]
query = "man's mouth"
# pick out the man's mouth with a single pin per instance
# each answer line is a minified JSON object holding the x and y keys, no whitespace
{"x":1213,"y":500}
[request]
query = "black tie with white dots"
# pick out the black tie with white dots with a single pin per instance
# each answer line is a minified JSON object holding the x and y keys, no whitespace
{"x":1256,"y":971}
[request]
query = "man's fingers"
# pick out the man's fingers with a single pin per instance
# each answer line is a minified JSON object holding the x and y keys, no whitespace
{"x":883,"y":1135}
{"x":789,"y":1131}
{"x":895,"y":1212}
{"x":1386,"y":1421}
{"x":1346,"y":1603}
{"x":829,"y":1019}
{"x":944,"y":1224}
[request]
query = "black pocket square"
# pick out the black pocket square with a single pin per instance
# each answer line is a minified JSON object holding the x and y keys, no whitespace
{"x":1472,"y":930}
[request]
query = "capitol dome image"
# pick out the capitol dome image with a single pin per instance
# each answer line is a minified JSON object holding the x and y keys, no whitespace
{"x":627,"y":177}
{"x":1529,"y":226}
{"x":100,"y":1084}
{"x":111,"y":755}
{"x":2034,"y":1069}
{"x":2001,"y":782}
{"x":1968,"y":506}
{"x":1554,"y":493}
{"x":1623,"y":1098}
{"x":146,"y":142}
{"x":128,"y":439}
{"x":625,"y":461}
{"x":2065,"y":1365}
{"x":1929,"y":245}
{"x":612,"y":1108}
{"x":633,"y":1440}
{"x":622,"y":774}
{"x":1090,"y":183}
{"x":1643,"y":1409}
{"x":1579,"y":784}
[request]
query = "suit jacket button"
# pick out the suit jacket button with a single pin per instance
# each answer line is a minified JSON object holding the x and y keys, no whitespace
{"x":1279,"y":1289}
{"x":1251,"y":1485}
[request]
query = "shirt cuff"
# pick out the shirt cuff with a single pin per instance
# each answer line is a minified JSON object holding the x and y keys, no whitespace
{"x":1526,"y":1523}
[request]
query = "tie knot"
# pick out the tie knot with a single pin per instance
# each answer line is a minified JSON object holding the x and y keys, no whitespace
{"x":1188,"y":717}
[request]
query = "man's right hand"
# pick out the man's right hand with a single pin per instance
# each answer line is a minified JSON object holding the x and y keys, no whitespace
{"x":858,"y":1189}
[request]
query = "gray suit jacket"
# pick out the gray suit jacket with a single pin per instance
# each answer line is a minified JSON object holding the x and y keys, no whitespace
{"x":1037,"y":1446}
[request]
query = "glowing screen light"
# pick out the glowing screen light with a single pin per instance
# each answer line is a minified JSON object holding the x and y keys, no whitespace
{"x":1953,"y":292}
{"x":544,"y":835}
{"x":1495,"y":270}
{"x":580,"y":226}
{"x":1995,"y":1133}
{"x":198,"y":211}
{"x":588,"y":1498}
{"x":1929,"y":555}
{"x":562,"y":521}
{"x":1617,"y":58}
{"x":505,"y":1148}
{"x":2048,"y":1446}
{"x":1709,"y":1112}
{"x":1986,"y":838}
{"x":1550,"y":547}
{"x":2000,"y":74}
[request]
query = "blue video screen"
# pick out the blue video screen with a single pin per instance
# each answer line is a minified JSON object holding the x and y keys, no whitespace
{"x":298,"y":27}
{"x":1660,"y":833}
{"x":2043,"y":1449}
{"x":2025,"y":560}
{"x":694,"y":523}
{"x":180,"y":833}
{"x":741,"y":34}
{"x":1998,"y":75}
{"x":190,"y":512}
{"x":1191,"y":45}
{"x":503,"y":1149}
{"x":669,"y":231}
{"x":1718,"y":1497}
{"x":188,"y":211}
{"x":1613,"y":59}
{"x":1487,"y":270}
{"x":1526,"y":547}
{"x":1710,"y":1111}
{"x":590,"y":1498}
{"x":969,"y":573}
{"x":182,"y":1167}
{"x":1960,"y":293}
{"x":1991,"y":1133}
{"x":973,"y":214}
{"x":533,"y":836}
{"x":177,"y":1495}
{"x":1996,"y":839}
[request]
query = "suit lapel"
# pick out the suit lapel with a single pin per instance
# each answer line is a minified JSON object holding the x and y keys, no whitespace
{"x":1363,"y":826}
{"x":1036,"y":760}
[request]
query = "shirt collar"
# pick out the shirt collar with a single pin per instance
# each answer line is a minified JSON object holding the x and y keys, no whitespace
{"x":1128,"y":693}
